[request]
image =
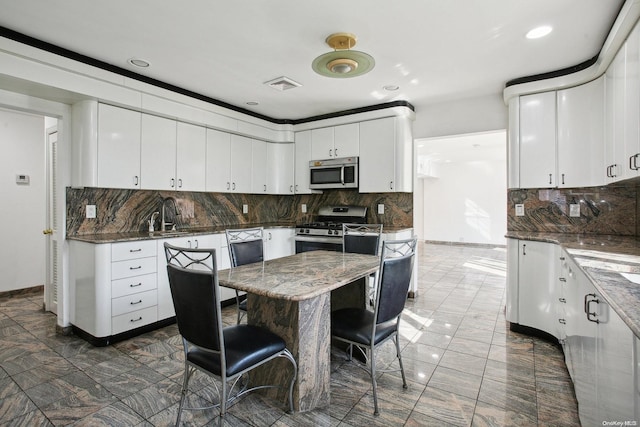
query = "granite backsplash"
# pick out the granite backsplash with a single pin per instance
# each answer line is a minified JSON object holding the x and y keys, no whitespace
{"x":611,"y":210}
{"x":121,"y":211}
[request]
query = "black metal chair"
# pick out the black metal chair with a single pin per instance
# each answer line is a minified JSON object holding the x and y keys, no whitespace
{"x":362,"y":239}
{"x":223,"y":352}
{"x":246,"y":246}
{"x":367,"y":330}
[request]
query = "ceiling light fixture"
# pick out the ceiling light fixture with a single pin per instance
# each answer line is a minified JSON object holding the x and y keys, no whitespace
{"x":140,"y":63}
{"x":539,"y":32}
{"x":342,"y":62}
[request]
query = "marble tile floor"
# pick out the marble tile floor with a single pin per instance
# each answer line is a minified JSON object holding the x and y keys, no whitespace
{"x":464,"y":366}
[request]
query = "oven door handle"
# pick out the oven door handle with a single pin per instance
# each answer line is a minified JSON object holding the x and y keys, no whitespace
{"x":319,"y":239}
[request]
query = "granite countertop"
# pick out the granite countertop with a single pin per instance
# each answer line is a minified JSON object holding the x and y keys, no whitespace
{"x":603,"y":258}
{"x":301,"y":276}
{"x":138,"y":235}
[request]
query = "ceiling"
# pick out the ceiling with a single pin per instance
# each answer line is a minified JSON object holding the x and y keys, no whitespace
{"x":434,"y":50}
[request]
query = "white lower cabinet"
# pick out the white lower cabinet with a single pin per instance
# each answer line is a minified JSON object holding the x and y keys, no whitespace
{"x":555,"y":295}
{"x":279,"y":242}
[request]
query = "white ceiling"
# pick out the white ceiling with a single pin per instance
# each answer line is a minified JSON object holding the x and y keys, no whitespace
{"x":435,"y":50}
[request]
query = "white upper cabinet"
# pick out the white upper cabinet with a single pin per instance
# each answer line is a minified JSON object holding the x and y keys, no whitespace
{"x":218,"y":164}
{"x":581,"y":135}
{"x":118,"y":154}
{"x":280,"y":168}
{"x":302,"y":159}
{"x":386,"y":156}
{"x":191,"y":157}
{"x":158,"y":154}
{"x":346,"y":140}
{"x":615,"y":83}
{"x":335,"y":141}
{"x":513,"y":144}
{"x":241,"y":160}
{"x":631,"y":148}
{"x":258,"y":167}
{"x":538,"y":140}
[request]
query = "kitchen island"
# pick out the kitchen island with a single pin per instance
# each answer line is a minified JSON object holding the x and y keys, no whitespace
{"x":291,"y":296}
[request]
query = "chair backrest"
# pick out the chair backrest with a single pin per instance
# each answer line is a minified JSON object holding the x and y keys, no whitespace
{"x":361,"y":238}
{"x":394,"y":277}
{"x":245,"y":246}
{"x":193,"y":280}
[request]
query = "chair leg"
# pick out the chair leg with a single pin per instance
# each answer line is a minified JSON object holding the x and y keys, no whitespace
{"x":372,"y":362}
{"x":396,"y":339}
{"x":223,"y":400}
{"x":188,"y":371}
{"x":289,"y":356}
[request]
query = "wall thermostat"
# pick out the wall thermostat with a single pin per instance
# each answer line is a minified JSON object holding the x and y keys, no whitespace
{"x":22,"y":179}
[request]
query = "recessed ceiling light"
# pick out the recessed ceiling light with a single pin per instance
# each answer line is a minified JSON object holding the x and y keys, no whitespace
{"x":253,"y":103}
{"x":538,"y":32}
{"x":391,"y":88}
{"x":137,"y":62}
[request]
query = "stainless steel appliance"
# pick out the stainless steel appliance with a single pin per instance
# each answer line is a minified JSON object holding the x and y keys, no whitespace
{"x":333,"y":173}
{"x":325,"y":232}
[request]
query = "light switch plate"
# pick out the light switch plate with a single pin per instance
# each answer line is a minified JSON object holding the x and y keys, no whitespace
{"x":520,"y":209}
{"x":380,"y":208}
{"x":91,"y":211}
{"x":574,"y":210}
{"x":304,"y":208}
{"x":245,"y":209}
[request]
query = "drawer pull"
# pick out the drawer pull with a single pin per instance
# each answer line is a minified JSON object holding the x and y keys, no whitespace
{"x":135,"y":268}
{"x":136,"y":302}
{"x":562,"y":300}
{"x":136,"y":320}
{"x":135,"y":285}
{"x":135,"y":250}
{"x":562,"y":321}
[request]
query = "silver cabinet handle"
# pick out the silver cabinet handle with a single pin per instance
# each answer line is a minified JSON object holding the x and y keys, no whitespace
{"x":135,"y":268}
{"x":197,"y":244}
{"x":562,"y":179}
{"x":562,"y":300}
{"x":172,"y":182}
{"x":330,"y":151}
{"x":296,"y":188}
{"x":562,"y":321}
{"x":228,"y":185}
{"x":136,"y":180}
{"x":335,"y":152}
{"x":180,"y":183}
{"x":135,"y":285}
{"x":291,"y":189}
{"x":550,"y":179}
{"x":265,"y":188}
{"x":136,"y":320}
{"x":233,"y":186}
{"x":391,"y":185}
{"x":135,"y":302}
{"x":524,"y":249}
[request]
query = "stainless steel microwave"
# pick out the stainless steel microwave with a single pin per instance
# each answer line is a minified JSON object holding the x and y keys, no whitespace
{"x":333,"y":173}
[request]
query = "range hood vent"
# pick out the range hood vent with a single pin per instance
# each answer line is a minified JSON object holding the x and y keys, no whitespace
{"x":282,"y":84}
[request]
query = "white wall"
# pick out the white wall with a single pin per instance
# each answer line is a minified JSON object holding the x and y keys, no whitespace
{"x":467,"y":202}
{"x":23,"y":212}
{"x":463,"y":116}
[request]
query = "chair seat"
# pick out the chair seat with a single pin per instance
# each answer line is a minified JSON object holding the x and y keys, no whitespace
{"x":246,"y":346}
{"x":354,"y":324}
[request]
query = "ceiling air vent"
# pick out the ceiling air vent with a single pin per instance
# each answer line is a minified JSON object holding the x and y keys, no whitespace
{"x":282,"y":83}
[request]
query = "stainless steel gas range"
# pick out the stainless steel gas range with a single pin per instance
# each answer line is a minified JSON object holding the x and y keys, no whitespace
{"x":325,"y":232}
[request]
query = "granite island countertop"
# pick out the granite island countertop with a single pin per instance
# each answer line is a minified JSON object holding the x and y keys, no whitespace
{"x":603,"y":258}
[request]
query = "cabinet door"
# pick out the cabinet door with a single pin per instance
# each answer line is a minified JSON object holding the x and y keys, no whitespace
{"x":191,"y":154}
{"x":280,"y":168}
{"x":241,"y":161}
{"x":581,"y":135}
{"x":322,"y":143}
{"x":614,"y":117}
{"x":158,"y":162}
{"x":538,"y":292}
{"x":614,"y":357}
{"x":218,"y":165}
{"x":538,"y":140}
{"x":302,"y":158}
{"x":631,"y":146}
{"x":513,"y":144}
{"x":279,"y":242}
{"x":258,"y":167}
{"x":118,"y":147}
{"x":377,"y":156}
{"x":511,"y":309}
{"x":346,"y":140}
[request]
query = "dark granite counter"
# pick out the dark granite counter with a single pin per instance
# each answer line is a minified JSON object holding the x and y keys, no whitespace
{"x":603,"y":258}
{"x":132,"y":236}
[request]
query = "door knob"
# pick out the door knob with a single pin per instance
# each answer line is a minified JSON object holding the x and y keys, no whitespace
{"x":47,"y":231}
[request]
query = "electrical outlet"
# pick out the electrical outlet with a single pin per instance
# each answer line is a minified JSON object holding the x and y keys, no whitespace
{"x":520,"y":209}
{"x":304,"y":208}
{"x":380,"y":208}
{"x":574,"y":210}
{"x":91,"y":211}
{"x":245,"y":209}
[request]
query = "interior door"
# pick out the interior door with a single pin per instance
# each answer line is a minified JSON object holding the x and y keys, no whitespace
{"x":51,"y":232}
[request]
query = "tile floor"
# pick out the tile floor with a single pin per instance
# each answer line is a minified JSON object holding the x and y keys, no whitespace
{"x":463,"y":365}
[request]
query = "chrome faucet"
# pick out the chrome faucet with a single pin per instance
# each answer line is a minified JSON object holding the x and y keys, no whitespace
{"x":163,"y":227}
{"x":152,"y":221}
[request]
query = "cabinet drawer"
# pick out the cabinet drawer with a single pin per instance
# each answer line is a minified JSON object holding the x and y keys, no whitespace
{"x":134,"y":302}
{"x":132,"y":285}
{"x":133,"y":250}
{"x":135,"y":319}
{"x":133,"y":267}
